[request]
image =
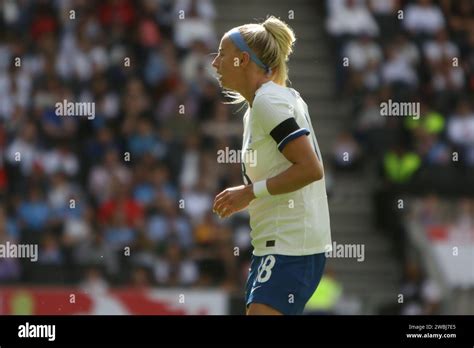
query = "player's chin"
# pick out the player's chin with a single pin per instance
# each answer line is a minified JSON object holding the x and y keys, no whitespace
{"x":227,"y":215}
{"x":222,"y":82}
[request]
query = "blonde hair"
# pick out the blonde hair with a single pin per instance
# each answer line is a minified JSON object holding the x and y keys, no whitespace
{"x":272,"y":41}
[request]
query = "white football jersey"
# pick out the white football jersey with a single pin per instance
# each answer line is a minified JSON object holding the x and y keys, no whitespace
{"x":295,"y":223}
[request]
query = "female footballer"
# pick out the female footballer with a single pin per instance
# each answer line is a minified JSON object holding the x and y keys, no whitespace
{"x":284,"y":187}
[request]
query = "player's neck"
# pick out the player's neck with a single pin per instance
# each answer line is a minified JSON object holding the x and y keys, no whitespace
{"x":249,"y":95}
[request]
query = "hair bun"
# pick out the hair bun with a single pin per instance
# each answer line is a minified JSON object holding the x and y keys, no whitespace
{"x":282,"y":33}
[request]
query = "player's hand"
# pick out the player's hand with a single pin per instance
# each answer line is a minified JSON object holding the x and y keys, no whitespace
{"x":232,"y":200}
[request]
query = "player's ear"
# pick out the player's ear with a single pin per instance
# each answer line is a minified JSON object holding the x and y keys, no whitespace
{"x":244,"y":59}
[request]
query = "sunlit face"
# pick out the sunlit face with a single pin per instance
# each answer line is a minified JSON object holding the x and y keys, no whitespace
{"x":226,"y":64}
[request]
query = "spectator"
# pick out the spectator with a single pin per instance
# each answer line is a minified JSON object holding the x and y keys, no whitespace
{"x":433,"y":151}
{"x":397,"y":70}
{"x":351,"y":18}
{"x":461,"y":18}
{"x":9,"y":267}
{"x":60,"y":159}
{"x":118,"y":234}
{"x":121,"y":204}
{"x":406,"y":49}
{"x":364,"y":56}
{"x":196,"y":63}
{"x":141,"y":278}
{"x":423,"y":18}
{"x":34,"y":213}
{"x":400,"y":165}
{"x":370,"y":124}
{"x":429,"y":122}
{"x":190,"y":163}
{"x":460,"y":130}
{"x":221,"y":125}
{"x":194,"y":23}
{"x":198,"y":200}
{"x":93,"y":282}
{"x":102,"y":176}
{"x":440,"y":49}
{"x":447,"y":78}
{"x":143,"y":140}
{"x":94,"y":251}
{"x":386,"y":15}
{"x":346,"y":152}
{"x":428,"y":211}
{"x":24,"y":150}
{"x":174,"y":269}
{"x":326,"y":297}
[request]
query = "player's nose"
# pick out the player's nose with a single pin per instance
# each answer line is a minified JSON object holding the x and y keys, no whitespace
{"x":214,"y":63}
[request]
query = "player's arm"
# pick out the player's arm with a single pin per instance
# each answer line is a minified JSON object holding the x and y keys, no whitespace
{"x":305,"y":167}
{"x":275,"y":116}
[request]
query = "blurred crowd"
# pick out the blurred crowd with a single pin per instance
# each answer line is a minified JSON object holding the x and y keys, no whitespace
{"x":400,"y":51}
{"x":444,"y":223}
{"x":417,"y":56}
{"x":125,"y":197}
{"x":418,"y":52}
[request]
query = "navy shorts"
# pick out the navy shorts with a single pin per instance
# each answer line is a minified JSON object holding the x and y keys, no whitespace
{"x":283,"y":282}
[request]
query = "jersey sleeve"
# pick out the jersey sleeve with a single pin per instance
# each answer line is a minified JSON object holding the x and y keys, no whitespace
{"x":275,"y":115}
